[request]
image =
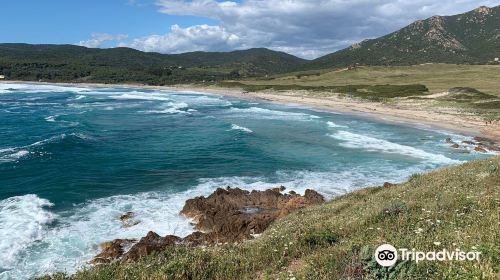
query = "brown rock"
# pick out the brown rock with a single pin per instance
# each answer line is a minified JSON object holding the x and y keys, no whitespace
{"x":152,"y":242}
{"x":128,"y":219}
{"x":235,"y":214}
{"x":484,"y":140}
{"x":127,"y":216}
{"x":112,"y":251}
{"x":455,"y":146}
{"x":313,"y":196}
{"x":388,"y":185}
{"x":480,"y":149}
{"x":227,"y":215}
{"x":493,"y":148}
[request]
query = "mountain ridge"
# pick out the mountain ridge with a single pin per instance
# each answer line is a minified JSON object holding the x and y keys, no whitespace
{"x":472,"y":38}
{"x":49,"y":62}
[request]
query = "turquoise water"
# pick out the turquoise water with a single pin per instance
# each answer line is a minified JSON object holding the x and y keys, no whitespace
{"x":72,"y":160}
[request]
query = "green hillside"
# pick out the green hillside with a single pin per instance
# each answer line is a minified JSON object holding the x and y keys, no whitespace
{"x":80,"y":64}
{"x":469,"y":38}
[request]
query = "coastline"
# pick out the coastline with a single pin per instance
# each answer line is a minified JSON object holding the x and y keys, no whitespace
{"x":462,"y":124}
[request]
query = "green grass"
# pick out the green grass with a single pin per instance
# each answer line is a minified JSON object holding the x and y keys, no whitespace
{"x":456,"y":207}
{"x":436,"y":77}
{"x":370,"y":92}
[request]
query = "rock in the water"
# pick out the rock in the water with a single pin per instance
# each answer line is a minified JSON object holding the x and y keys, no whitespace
{"x":227,"y":215}
{"x":493,"y":148}
{"x":484,"y":140}
{"x":480,"y":149}
{"x":455,"y":146}
{"x":128,"y":220}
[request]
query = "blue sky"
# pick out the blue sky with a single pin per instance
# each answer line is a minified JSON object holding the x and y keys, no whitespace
{"x":70,"y":21}
{"x":307,"y":28}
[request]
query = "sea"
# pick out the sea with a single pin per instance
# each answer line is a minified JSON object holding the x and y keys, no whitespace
{"x":73,"y":159}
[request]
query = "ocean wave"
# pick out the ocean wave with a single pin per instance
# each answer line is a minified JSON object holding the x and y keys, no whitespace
{"x":23,"y":220}
{"x":51,"y":118}
{"x":199,"y":100}
{"x":334,"y":125}
{"x":240,"y":128}
{"x":143,"y":96}
{"x":262,"y":113}
{"x":14,"y":154}
{"x":32,"y":88}
{"x":171,"y":108}
{"x":359,"y":141}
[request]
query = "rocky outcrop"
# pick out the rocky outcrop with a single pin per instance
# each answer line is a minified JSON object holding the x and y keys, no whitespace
{"x":111,"y":251}
{"x":479,"y":144}
{"x":152,"y":242}
{"x":234,"y":214}
{"x":227,"y":215}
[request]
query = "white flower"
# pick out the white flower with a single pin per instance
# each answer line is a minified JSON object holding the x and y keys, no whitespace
{"x":437,"y":243}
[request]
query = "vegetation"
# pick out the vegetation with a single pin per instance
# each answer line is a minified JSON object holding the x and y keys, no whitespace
{"x":455,"y":207}
{"x":470,"y":38}
{"x":370,"y":92}
{"x":63,"y":63}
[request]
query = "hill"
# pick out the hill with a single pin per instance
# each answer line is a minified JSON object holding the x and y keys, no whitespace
{"x":451,"y":208}
{"x":469,"y":38}
{"x":80,"y":64}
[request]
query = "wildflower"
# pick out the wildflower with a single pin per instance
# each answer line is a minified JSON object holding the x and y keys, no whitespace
{"x":437,"y":243}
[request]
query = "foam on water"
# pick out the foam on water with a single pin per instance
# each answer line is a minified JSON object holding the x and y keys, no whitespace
{"x":334,"y":125}
{"x":31,"y":88}
{"x":14,"y":155}
{"x":172,"y":108}
{"x":263,"y":113}
{"x":141,"y":96}
{"x":23,"y":220}
{"x":241,"y":128}
{"x":359,"y":141}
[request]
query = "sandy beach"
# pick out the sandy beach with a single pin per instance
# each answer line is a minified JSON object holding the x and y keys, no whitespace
{"x":404,"y":114}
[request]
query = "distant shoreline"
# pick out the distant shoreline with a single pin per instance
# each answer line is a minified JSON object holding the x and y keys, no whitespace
{"x":378,"y":111}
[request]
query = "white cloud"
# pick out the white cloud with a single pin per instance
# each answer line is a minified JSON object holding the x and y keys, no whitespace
{"x":308,"y":28}
{"x":194,"y":38}
{"x":98,"y":39}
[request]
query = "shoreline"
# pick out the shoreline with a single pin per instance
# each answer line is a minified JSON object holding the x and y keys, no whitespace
{"x":422,"y":119}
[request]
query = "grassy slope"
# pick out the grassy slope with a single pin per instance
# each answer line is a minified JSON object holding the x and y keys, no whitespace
{"x":456,"y":206}
{"x":437,"y":77}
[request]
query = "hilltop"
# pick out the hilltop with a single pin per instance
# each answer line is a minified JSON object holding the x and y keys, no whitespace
{"x":469,"y":38}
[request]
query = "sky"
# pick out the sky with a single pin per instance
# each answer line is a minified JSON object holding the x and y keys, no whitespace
{"x":306,"y":28}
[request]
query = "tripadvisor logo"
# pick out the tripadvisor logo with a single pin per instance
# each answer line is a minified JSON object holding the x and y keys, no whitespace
{"x":387,"y":255}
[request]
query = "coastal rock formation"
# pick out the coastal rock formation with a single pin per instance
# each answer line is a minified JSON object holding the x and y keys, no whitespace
{"x":110,"y":251}
{"x":227,"y":215}
{"x":479,"y":144}
{"x":152,"y":242}
{"x":235,"y":214}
